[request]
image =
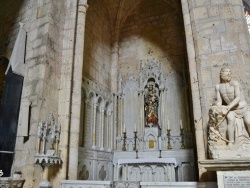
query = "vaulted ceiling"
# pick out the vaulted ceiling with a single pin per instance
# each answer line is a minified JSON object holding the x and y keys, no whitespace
{"x":119,"y":10}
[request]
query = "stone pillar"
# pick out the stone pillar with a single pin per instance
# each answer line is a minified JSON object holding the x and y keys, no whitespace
{"x":163,"y":111}
{"x":101,"y":140}
{"x":120,"y":110}
{"x":118,"y":172}
{"x":84,"y":124}
{"x":142,"y":124}
{"x":94,"y":126}
{"x":76,"y":94}
{"x":64,"y":106}
{"x":110,"y":131}
{"x":114,"y":65}
{"x":194,"y":85}
{"x":216,"y":36}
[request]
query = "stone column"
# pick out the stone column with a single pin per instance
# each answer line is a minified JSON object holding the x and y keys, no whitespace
{"x":64,"y":106}
{"x":141,"y":103}
{"x":114,"y":65}
{"x":118,"y":172}
{"x":163,"y":110}
{"x":101,"y":140}
{"x":114,"y":122}
{"x":194,"y":84}
{"x":216,"y":35}
{"x":115,"y":172}
{"x":120,"y":110}
{"x":94,"y":127}
{"x":123,"y":172}
{"x":76,"y":94}
{"x":84,"y":124}
{"x":110,"y":132}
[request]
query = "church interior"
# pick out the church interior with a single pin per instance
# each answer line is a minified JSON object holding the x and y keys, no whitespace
{"x":118,"y":93}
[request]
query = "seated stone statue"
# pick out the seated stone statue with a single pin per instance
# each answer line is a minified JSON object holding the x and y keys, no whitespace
{"x":229,"y":118}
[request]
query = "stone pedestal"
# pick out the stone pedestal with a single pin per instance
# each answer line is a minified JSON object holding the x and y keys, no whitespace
{"x":151,"y":136}
{"x":8,"y":182}
{"x":230,"y":173}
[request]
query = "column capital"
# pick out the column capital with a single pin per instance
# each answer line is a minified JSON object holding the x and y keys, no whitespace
{"x":83,"y":6}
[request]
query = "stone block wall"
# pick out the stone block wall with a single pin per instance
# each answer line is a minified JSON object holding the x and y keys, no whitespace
{"x":220,"y":39}
{"x":217,"y":36}
{"x":97,"y":52}
{"x":43,"y":21}
{"x":152,"y":30}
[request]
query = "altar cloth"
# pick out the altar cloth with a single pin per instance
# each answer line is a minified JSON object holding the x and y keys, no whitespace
{"x":148,"y":160}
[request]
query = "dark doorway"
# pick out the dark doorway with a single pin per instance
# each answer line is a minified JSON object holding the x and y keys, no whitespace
{"x":9,"y":112}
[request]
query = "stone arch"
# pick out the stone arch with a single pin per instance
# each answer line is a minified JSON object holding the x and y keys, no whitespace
{"x":97,"y":43}
{"x":147,"y":173}
{"x":89,"y":103}
{"x":159,"y":173}
{"x":135,"y":173}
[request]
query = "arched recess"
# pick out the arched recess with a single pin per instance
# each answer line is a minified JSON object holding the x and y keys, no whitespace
{"x":97,"y":44}
{"x":155,"y":30}
{"x":86,"y":119}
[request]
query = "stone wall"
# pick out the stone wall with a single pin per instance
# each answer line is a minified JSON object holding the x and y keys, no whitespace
{"x":97,"y":52}
{"x":217,"y":36}
{"x":152,"y":30}
{"x":9,"y":14}
{"x":43,"y":22}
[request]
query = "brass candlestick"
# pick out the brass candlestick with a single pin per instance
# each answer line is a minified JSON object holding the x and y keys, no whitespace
{"x":182,"y":139}
{"x":124,"y":141}
{"x":135,"y":140}
{"x":169,"y":135}
{"x":159,"y":153}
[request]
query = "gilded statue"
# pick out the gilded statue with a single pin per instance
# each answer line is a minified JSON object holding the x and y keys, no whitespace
{"x":151,"y":104}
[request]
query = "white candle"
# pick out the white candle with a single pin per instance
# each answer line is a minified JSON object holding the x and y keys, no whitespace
{"x":168,"y":125}
{"x":135,"y":127}
{"x":181,"y":124}
{"x":124,"y":128}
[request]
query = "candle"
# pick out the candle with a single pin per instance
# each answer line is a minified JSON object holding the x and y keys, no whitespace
{"x":135,"y":127}
{"x":168,"y":125}
{"x":124,"y":128}
{"x":181,"y":124}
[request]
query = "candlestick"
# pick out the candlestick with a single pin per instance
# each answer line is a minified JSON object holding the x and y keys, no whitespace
{"x":135,"y":138}
{"x":124,"y":142}
{"x":182,"y":139}
{"x":169,"y":137}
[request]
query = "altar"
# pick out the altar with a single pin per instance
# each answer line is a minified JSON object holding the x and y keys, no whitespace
{"x":154,"y":166}
{"x":153,"y":140}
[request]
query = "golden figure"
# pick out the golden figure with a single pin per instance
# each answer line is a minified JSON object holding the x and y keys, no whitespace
{"x":151,"y":105}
